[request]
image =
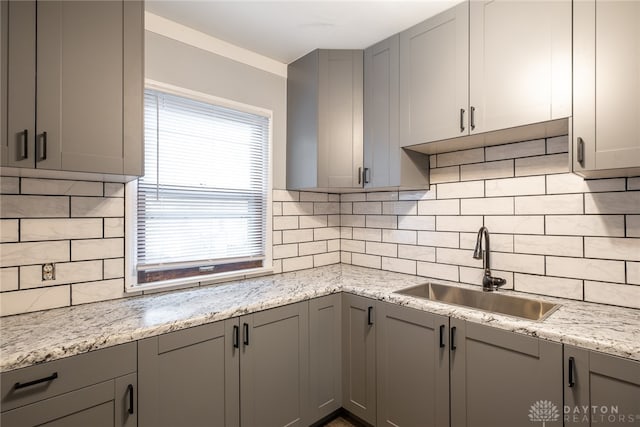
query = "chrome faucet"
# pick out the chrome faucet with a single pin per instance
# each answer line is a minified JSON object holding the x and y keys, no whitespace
{"x":489,"y":283}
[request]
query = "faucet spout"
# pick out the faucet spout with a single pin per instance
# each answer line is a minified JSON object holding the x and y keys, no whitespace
{"x":489,"y":283}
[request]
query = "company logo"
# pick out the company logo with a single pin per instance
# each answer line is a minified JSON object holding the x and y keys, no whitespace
{"x":543,"y":411}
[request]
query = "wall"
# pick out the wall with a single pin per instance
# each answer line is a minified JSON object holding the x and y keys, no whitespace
{"x":552,"y":233}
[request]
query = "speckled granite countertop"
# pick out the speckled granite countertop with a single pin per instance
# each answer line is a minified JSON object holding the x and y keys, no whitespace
{"x":33,"y":338}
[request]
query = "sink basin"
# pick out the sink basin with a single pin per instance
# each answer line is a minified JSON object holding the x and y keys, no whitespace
{"x":488,"y":301}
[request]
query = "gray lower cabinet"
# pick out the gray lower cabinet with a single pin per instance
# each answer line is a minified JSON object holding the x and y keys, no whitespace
{"x":325,"y":356}
{"x":84,"y":59}
{"x":274,"y":367}
{"x":412,"y":367}
{"x":92,"y":389}
{"x":190,"y":377}
{"x":500,"y":378}
{"x":359,"y":357}
{"x":600,"y":389}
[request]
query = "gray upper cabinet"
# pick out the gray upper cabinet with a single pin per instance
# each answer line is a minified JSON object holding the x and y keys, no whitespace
{"x":607,"y":386}
{"x":412,"y":367}
{"x":274,"y":367}
{"x":324,"y":120}
{"x":81,"y":108}
{"x":191,"y":377}
{"x":519,"y":63}
{"x":606,"y":88}
{"x":386,"y":164}
{"x":98,"y":388}
{"x":434,"y":83}
{"x":485,"y":66}
{"x":359,"y":357}
{"x":498,"y":378}
{"x":325,"y":356}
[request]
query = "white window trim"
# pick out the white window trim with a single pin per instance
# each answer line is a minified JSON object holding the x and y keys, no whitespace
{"x":131,"y":192}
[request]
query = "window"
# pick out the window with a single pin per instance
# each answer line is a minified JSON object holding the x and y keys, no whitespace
{"x":201,"y":207}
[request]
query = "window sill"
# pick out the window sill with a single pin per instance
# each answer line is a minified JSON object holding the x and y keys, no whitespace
{"x":191,"y":282}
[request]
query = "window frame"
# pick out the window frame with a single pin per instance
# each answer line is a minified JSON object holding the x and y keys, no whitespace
{"x":131,"y":199}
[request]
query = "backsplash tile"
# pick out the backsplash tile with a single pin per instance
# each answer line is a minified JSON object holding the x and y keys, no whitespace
{"x":552,"y":232}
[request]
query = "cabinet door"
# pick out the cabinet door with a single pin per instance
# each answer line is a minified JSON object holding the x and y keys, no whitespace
{"x":18,"y":83}
{"x":83,"y":83}
{"x":434,"y":84}
{"x":102,"y":405}
{"x":190,"y":377}
{"x":381,"y":112}
{"x":340,"y":115}
{"x":325,"y":356}
{"x":413,"y":367}
{"x":607,"y":386}
{"x":274,"y":374}
{"x":606,"y":84}
{"x":500,"y":378}
{"x":359,"y":357}
{"x":520,"y":62}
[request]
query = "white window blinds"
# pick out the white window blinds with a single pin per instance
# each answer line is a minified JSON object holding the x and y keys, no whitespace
{"x":202,"y":200}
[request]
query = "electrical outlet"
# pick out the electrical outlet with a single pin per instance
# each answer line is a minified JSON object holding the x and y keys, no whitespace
{"x":48,"y":271}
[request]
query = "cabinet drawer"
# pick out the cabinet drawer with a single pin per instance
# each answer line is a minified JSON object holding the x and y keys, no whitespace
{"x":70,"y":374}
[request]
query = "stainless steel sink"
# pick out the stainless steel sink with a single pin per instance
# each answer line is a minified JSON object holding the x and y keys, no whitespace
{"x":493,"y":302}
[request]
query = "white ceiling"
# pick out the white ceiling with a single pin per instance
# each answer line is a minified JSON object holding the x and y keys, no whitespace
{"x":286,"y":30}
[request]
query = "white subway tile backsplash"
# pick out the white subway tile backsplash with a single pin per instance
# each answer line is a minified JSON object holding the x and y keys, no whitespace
{"x":345,"y":257}
{"x":297,"y":208}
{"x":326,"y":259}
{"x":439,"y":207}
{"x":113,"y":268}
{"x":9,"y":185}
{"x":585,"y":225}
{"x":307,"y":196}
{"x":346,"y":232}
{"x":612,"y":248}
{"x":384,"y":249}
{"x":82,"y":293}
{"x":97,"y":249}
{"x":34,"y":300}
{"x":382,"y":196}
{"x":499,"y":242}
{"x":545,"y":285}
{"x":550,"y":205}
{"x":549,"y":245}
{"x":380,"y":221}
{"x":352,"y":245}
{"x":60,"y":228}
{"x":448,"y":174}
{"x":633,"y":225}
{"x":97,"y":207}
{"x":327,"y":233}
{"x":286,"y":196}
{"x":570,"y":183}
{"x":352,"y":220}
{"x":276,"y":209}
{"x":409,"y":237}
{"x":333,"y":245}
{"x":312,"y":248}
{"x":66,"y":273}
{"x":418,"y":253}
{"x":9,"y":230}
{"x":399,"y":265}
{"x":61,"y":187}
{"x":417,"y":222}
{"x":277,"y":238}
{"x":113,"y":189}
{"x":353,"y":197}
{"x":367,"y":208}
{"x":520,"y":224}
{"x":518,"y":262}
{"x":313,"y":221}
{"x":400,"y":208}
{"x":295,"y":236}
{"x":519,"y":149}
{"x":8,"y":279}
{"x":488,"y":170}
{"x":555,"y":163}
{"x":633,"y":273}
{"x":438,"y":271}
{"x":460,"y":190}
{"x":364,"y":260}
{"x":285,"y":251}
{"x":113,"y":227}
{"x":458,"y":223}
{"x":330,"y":208}
{"x":18,"y":206}
{"x":438,"y":238}
{"x":457,"y":257}
{"x":418,"y":194}
{"x":633,"y":183}
{"x":612,"y":293}
{"x":474,"y":155}
{"x":489,"y":206}
{"x":627,"y":202}
{"x":333,"y":220}
{"x":523,"y":186}
{"x":558,"y":144}
{"x":370,"y":234}
{"x":285,"y":222}
{"x":583,"y":268}
{"x":15,"y":254}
